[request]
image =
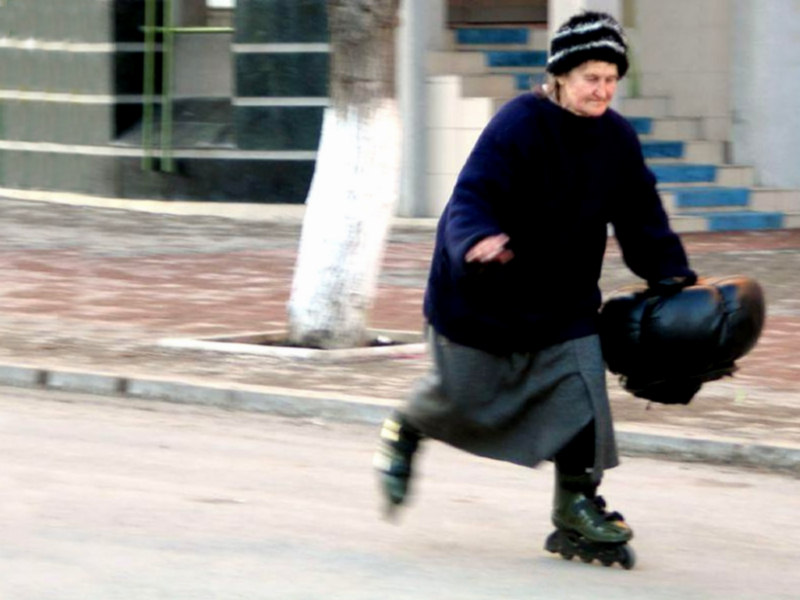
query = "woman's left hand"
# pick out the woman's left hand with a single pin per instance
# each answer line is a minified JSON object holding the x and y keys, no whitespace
{"x":490,"y":249}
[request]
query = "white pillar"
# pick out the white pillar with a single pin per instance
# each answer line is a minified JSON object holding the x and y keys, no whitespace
{"x":422,"y":28}
{"x":766,"y":121}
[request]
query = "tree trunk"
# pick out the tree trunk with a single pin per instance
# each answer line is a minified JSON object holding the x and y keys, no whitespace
{"x":355,"y":186}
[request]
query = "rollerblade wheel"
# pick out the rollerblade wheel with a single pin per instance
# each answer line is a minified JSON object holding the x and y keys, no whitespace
{"x":390,"y":511}
{"x":551,"y":544}
{"x":627,"y":558}
{"x":622,"y":554}
{"x":569,"y":545}
{"x":558,"y":543}
{"x":393,"y":490}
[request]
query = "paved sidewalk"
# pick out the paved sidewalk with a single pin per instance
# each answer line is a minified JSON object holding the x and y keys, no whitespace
{"x":89,"y":291}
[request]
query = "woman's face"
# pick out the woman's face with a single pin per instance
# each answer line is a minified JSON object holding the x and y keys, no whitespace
{"x":588,"y":89}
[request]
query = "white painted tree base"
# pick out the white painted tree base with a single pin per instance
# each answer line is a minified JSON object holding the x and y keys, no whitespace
{"x":349,"y":209}
{"x":405,"y":344}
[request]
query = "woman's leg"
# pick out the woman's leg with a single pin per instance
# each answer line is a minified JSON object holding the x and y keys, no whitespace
{"x":576,"y":506}
{"x":394,"y":458}
{"x":575,"y":461}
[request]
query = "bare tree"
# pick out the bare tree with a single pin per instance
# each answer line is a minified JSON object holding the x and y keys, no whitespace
{"x":355,"y":186}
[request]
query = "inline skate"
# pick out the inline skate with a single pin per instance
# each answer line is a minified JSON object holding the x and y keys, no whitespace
{"x":584,"y":528}
{"x":393,"y":461}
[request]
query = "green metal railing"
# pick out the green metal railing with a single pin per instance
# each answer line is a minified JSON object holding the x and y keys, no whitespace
{"x":168,"y":32}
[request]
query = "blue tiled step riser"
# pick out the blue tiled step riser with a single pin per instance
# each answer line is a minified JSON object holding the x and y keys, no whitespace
{"x":641,"y":125}
{"x":656,"y":149}
{"x":515,"y":58}
{"x":684,"y":173}
{"x":741,"y":221}
{"x":694,"y":152}
{"x":690,"y":201}
{"x":484,"y":36}
{"x":709,"y":197}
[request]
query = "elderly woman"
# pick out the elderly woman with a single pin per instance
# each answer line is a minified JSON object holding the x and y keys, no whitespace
{"x":513,"y":296}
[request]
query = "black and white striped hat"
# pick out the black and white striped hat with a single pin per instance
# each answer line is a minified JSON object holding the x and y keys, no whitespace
{"x":588,"y":36}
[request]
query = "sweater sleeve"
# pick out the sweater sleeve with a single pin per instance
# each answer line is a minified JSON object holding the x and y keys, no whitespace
{"x":649,"y":246}
{"x":484,"y":184}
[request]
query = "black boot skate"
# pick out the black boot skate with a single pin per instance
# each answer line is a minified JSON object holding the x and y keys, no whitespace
{"x":584,"y":528}
{"x":393,"y":459}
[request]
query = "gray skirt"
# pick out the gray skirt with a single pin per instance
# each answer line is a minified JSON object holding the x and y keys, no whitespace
{"x":521,"y":408}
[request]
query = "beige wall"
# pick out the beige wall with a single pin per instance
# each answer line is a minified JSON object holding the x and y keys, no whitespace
{"x":455,"y":122}
{"x":766,"y":88}
{"x":682,"y":51}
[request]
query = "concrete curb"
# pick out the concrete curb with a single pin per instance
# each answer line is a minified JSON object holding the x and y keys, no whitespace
{"x":715,"y":451}
{"x":632,"y":440}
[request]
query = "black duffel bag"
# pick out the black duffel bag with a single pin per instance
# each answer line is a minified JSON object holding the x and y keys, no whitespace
{"x":665,"y":344}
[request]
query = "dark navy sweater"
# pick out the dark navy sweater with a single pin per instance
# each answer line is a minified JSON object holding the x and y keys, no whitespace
{"x":552,"y":181}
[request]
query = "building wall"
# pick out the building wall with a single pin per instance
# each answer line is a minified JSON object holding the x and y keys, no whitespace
{"x":281,"y":69}
{"x":281,"y":58}
{"x":58,"y":89}
{"x":247,"y":110}
{"x":681,"y":50}
{"x":766,"y":88}
{"x":71,"y":88}
{"x":454,"y":124}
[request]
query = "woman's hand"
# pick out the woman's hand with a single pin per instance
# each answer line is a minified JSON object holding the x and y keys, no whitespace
{"x":490,"y":249}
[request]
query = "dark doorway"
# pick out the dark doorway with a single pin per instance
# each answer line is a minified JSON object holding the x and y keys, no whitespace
{"x":496,"y":11}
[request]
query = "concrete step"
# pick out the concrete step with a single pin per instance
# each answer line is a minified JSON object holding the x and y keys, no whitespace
{"x":500,"y":85}
{"x":704,"y":151}
{"x":736,"y":176}
{"x":488,"y":86}
{"x":457,"y":63}
{"x":676,"y":199}
{"x":718,"y":197}
{"x":744,"y":220}
{"x":684,"y":223}
{"x":693,"y":151}
{"x":769,"y":199}
{"x":684,"y":173}
{"x":693,"y":174}
{"x":681,"y":128}
{"x":654,"y":107}
{"x":676,"y":128}
{"x":791,"y":221}
{"x":731,"y":208}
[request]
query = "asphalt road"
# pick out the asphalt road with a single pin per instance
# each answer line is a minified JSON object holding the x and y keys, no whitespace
{"x":116,"y":499}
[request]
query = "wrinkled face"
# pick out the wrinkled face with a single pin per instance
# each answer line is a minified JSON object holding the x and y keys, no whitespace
{"x":588,"y":89}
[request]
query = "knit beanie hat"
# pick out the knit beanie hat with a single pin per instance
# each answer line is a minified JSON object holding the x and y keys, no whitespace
{"x":588,"y":36}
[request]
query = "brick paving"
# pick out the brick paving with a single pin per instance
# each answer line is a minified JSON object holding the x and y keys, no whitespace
{"x":97,"y":288}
